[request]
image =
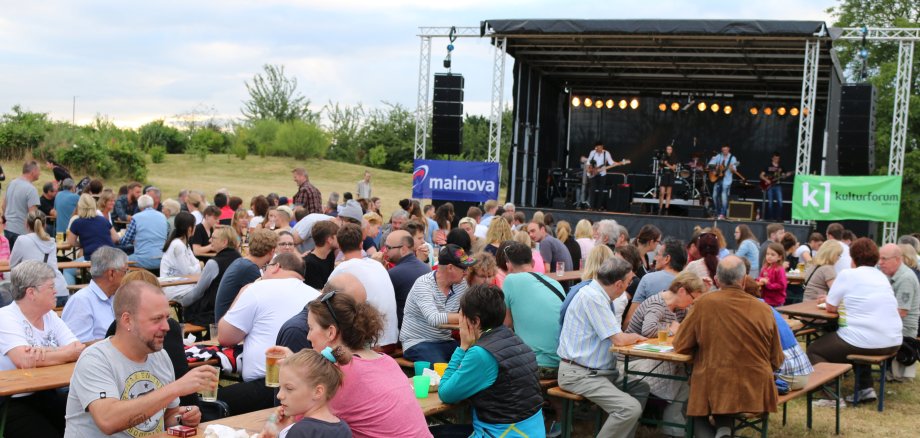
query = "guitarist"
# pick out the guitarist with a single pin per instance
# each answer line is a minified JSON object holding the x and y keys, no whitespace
{"x":770,"y":177}
{"x":598,"y":161}
{"x":723,"y":166}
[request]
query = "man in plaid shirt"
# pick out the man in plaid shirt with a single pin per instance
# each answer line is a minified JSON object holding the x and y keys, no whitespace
{"x":307,"y":194}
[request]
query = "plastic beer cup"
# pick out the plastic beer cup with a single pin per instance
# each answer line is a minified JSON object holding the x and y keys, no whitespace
{"x":272,"y":367}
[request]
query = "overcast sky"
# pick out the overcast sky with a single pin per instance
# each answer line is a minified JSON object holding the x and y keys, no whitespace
{"x":134,"y":62}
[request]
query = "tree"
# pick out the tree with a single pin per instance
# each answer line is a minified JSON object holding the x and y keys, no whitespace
{"x":157,"y":133}
{"x":274,"y":96}
{"x":881,"y":70}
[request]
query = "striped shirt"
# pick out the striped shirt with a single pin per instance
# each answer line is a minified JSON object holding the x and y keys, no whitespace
{"x":589,"y":323}
{"x":652,"y":312}
{"x":426,"y":309}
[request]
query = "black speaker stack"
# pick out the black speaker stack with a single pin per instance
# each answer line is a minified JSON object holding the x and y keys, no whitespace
{"x":856,"y":130}
{"x":447,"y":114}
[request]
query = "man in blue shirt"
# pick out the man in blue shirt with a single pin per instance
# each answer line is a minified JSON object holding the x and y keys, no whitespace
{"x":720,"y":189}
{"x":147,"y":231}
{"x":65,"y":202}
{"x":587,"y":366}
{"x":89,"y":312}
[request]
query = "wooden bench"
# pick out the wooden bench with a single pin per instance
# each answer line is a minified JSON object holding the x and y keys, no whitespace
{"x":825,"y":372}
{"x":546,"y":384}
{"x":882,"y":362}
{"x":215,"y":362}
{"x":568,"y":410}
{"x":192,"y":328}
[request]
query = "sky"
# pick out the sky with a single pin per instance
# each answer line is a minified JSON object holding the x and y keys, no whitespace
{"x":135,"y":62}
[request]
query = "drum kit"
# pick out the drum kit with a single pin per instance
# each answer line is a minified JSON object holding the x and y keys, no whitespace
{"x":689,"y":180}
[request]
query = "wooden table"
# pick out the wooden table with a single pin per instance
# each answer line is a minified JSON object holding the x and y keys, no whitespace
{"x":450,"y":326}
{"x":179,"y":281}
{"x":795,"y":277}
{"x":811,"y":316}
{"x":432,"y":405}
{"x":13,"y":382}
{"x":566,"y":276}
{"x":251,"y":422}
{"x":629,"y":351}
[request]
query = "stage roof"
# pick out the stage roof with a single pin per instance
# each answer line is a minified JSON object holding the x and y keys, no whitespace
{"x":763,"y":59}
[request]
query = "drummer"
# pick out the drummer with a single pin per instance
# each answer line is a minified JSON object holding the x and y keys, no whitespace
{"x":668,"y":167}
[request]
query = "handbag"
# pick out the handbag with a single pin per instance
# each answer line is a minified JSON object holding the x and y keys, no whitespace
{"x":549,"y":286}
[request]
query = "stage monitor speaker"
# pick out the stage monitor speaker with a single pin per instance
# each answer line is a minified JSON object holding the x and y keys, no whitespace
{"x":856,"y":130}
{"x":447,"y":114}
{"x":560,"y":203}
{"x":741,"y":211}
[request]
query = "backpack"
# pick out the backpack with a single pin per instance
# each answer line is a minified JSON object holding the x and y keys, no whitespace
{"x":909,"y":353}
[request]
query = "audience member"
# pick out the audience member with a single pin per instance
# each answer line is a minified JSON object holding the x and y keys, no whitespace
{"x":125,"y":383}
{"x":20,"y":200}
{"x":498,"y":232}
{"x":38,"y":245}
{"x":33,"y":336}
{"x":178,"y":259}
{"x":494,"y":369}
{"x":294,"y":334}
{"x":407,"y":268}
{"x":747,"y":246}
{"x":307,"y":194}
{"x":483,"y":272}
{"x":126,"y":204}
{"x":198,"y":304}
{"x":552,"y":250}
{"x":433,"y":301}
{"x":871,"y":324}
{"x":200,"y":240}
{"x":772,"y":278}
{"x":729,"y":327}
{"x":320,"y":262}
{"x":147,"y":232}
{"x":89,"y":312}
{"x":374,"y":277}
{"x":245,"y":270}
{"x":528,"y":296}
{"x":835,"y":233}
{"x":905,"y":285}
{"x":820,"y":275}
{"x":564,"y":234}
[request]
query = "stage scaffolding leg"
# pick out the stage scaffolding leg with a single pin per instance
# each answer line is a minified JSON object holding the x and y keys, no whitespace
{"x":498,"y":93}
{"x":516,"y":145}
{"x":807,"y":115}
{"x":527,"y":194}
{"x":536,"y":134}
{"x":899,"y":123}
{"x":422,"y":115}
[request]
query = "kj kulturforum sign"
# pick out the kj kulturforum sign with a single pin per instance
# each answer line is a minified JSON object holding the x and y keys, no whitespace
{"x":873,"y":198}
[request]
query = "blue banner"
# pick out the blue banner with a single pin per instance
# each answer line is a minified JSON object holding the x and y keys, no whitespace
{"x":473,"y":181}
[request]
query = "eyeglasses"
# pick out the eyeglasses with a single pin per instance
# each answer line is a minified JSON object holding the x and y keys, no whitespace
{"x":267,"y":265}
{"x":286,"y":244}
{"x":393,"y":247}
{"x":325,"y":300}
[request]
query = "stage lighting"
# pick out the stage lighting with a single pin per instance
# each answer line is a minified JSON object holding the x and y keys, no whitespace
{"x":794,"y":112}
{"x":588,"y":102}
{"x":727,"y":109}
{"x":804,"y":111}
{"x":609,"y":103}
{"x":714,"y":107}
{"x":701,"y":106}
{"x":781,"y":111}
{"x":623,"y":103}
{"x":634,"y":103}
{"x":675,"y":106}
{"x":576,"y":101}
{"x":598,"y":104}
{"x":768,"y":111}
{"x":754,"y":111}
{"x":662,"y":107}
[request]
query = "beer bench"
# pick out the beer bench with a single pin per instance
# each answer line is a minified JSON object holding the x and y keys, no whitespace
{"x":882,"y":362}
{"x":568,"y":410}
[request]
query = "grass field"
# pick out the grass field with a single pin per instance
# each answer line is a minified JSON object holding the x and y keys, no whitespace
{"x":255,"y":175}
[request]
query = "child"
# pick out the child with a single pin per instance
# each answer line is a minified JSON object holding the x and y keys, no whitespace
{"x":309,"y":379}
{"x":773,"y":277}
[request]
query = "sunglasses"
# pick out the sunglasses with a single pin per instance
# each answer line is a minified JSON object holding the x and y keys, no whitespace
{"x":325,"y":300}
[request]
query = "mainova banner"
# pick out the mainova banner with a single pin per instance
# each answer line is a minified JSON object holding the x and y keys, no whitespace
{"x":473,"y":181}
{"x":873,"y":198}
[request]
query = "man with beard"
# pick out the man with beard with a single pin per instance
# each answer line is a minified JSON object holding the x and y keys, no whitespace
{"x":125,"y":386}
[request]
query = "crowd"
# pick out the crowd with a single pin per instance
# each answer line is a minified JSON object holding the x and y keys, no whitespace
{"x":340,"y":291}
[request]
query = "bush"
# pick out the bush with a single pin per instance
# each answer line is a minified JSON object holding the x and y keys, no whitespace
{"x":261,"y":136}
{"x":116,"y":158}
{"x":377,"y":156}
{"x":157,"y":154}
{"x":21,"y":131}
{"x":129,"y":160}
{"x":300,"y":140}
{"x":156,"y":133}
{"x":240,"y":150}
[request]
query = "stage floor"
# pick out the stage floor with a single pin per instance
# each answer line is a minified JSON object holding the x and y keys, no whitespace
{"x":675,"y":226}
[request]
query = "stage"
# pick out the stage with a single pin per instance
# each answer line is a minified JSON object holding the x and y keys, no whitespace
{"x":676,"y":226}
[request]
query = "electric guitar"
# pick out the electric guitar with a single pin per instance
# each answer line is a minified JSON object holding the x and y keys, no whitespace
{"x":769,"y":180}
{"x":591,"y":171}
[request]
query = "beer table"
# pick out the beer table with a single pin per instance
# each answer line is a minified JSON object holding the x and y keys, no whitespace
{"x":22,"y":381}
{"x":795,"y":277}
{"x":566,"y":276}
{"x":252,"y":422}
{"x":810,"y":315}
{"x":630,"y":351}
{"x":164,"y":282}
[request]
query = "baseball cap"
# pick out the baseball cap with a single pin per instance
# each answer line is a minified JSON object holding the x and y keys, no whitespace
{"x":454,"y":255}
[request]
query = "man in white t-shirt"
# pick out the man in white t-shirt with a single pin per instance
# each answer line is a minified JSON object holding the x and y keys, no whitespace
{"x":835,"y":232}
{"x":254,"y":319}
{"x":373,"y":276}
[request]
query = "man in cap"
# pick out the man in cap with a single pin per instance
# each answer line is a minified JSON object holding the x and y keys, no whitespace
{"x":433,"y":301}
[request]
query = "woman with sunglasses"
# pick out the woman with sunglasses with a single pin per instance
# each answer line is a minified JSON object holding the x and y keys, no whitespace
{"x":669,"y":307}
{"x":375,"y":398}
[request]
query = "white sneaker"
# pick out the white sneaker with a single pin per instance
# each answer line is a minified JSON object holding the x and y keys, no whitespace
{"x":867,"y":394}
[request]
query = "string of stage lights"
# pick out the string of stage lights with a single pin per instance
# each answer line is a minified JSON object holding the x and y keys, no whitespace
{"x":702,"y":106}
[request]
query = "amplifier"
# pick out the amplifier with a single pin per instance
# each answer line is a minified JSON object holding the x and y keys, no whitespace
{"x":742,"y":211}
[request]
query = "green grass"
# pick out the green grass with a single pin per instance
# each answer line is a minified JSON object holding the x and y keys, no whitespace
{"x":255,"y":175}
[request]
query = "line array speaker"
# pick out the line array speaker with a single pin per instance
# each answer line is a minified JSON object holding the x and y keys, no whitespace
{"x":447,"y":114}
{"x":856,"y":130}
